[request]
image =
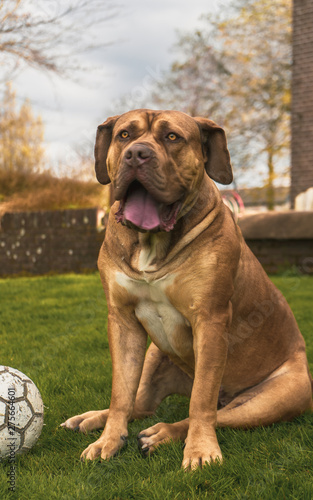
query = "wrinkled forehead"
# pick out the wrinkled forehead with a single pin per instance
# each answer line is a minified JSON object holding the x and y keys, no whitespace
{"x":149,"y":120}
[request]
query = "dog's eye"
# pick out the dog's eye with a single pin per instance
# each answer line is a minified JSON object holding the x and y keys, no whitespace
{"x":172,"y":137}
{"x":124,"y":134}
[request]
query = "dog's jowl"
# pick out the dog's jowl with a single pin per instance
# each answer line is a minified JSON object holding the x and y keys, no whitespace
{"x":175,"y":267}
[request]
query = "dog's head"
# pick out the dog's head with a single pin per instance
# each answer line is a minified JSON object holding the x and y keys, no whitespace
{"x":156,"y":161}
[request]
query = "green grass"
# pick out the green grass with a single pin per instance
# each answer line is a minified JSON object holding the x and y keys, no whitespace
{"x":53,"y":329}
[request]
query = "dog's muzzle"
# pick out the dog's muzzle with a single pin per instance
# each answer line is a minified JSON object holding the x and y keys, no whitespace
{"x":138,"y":209}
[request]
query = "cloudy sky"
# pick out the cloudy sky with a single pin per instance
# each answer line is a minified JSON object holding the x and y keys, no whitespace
{"x":144,"y":34}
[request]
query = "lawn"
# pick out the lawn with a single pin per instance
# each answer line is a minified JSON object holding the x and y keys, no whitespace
{"x":53,"y":329}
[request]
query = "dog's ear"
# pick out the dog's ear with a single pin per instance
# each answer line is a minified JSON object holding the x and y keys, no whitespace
{"x":216,"y":154}
{"x":103,"y":141}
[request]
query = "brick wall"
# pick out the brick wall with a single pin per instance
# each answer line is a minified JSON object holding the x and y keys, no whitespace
{"x":280,"y":240}
{"x":278,"y":256}
{"x":302,"y":98}
{"x":43,"y":242}
{"x":69,"y":241}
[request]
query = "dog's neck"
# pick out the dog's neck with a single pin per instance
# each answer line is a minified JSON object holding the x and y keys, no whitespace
{"x":155,"y":250}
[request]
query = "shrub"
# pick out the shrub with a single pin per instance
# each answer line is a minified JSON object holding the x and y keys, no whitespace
{"x":32,"y":192}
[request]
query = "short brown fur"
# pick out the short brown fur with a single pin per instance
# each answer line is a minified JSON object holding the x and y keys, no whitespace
{"x":228,"y":337}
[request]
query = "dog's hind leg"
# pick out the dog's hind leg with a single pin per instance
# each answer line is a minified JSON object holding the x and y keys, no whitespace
{"x":87,"y":422}
{"x":160,"y":378}
{"x":151,"y":438}
{"x":285,"y":394}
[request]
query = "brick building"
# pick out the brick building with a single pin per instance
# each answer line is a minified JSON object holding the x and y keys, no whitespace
{"x":302,"y":98}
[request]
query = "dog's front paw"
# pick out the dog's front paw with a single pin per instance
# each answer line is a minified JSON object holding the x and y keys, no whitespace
{"x":195,"y":457}
{"x":103,"y":448}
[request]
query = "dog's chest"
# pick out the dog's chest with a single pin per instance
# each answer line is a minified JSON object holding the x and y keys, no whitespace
{"x":166,"y":326}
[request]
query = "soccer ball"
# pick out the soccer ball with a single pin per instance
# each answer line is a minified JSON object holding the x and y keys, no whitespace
{"x":21,"y":412}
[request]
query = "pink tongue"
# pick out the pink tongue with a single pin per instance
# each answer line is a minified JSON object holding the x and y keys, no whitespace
{"x":141,"y":209}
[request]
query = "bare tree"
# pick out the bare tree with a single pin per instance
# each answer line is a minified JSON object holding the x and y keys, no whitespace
{"x":237,"y":71}
{"x":51,"y":34}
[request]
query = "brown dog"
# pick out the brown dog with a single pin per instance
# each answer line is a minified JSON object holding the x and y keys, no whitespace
{"x":174,"y":266}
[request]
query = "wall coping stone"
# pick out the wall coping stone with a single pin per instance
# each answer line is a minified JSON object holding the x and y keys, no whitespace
{"x":289,"y":225}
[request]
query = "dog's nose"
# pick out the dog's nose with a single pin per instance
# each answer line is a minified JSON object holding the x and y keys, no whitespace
{"x":137,"y":154}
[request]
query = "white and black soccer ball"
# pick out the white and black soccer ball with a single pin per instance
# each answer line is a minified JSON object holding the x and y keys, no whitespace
{"x":21,"y":412}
